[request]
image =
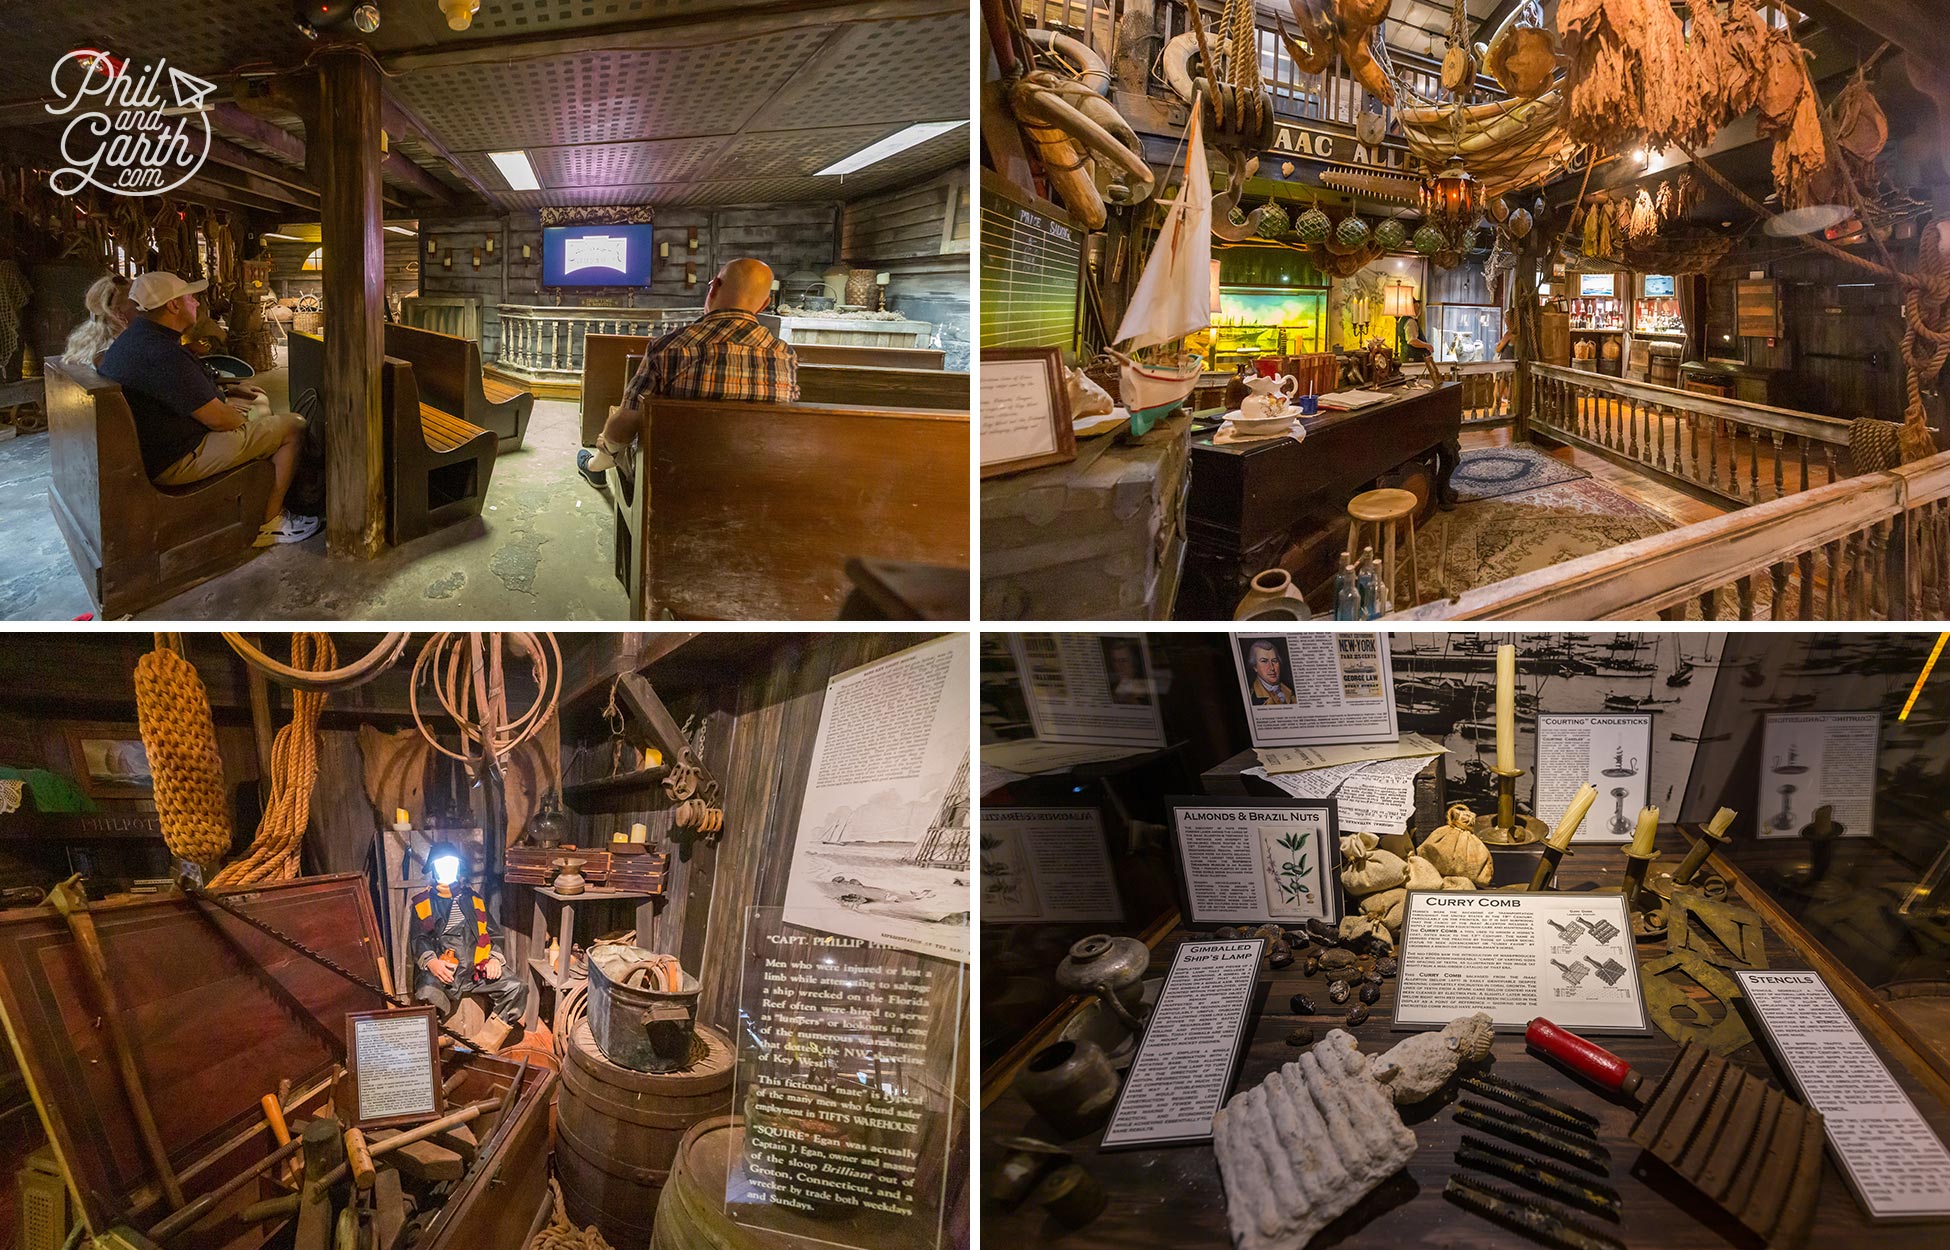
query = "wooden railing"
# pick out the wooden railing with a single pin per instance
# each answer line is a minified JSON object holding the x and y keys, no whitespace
{"x":1482,"y":402}
{"x":1743,"y":453}
{"x":544,"y":344}
{"x":1872,"y":547}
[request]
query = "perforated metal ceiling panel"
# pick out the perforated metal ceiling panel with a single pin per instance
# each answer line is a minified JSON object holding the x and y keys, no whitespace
{"x":204,"y":37}
{"x":611,"y":164}
{"x":877,"y":72}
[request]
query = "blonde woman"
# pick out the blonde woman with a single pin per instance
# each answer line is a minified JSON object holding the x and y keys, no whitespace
{"x":109,"y":310}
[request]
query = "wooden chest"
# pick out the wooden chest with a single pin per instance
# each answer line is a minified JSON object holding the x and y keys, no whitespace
{"x":217,"y":1013}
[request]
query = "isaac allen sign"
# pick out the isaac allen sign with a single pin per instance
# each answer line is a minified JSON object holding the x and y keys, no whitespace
{"x":1291,"y":139}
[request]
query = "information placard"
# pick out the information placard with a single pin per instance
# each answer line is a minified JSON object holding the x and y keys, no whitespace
{"x":1315,"y":688}
{"x":1253,"y":860}
{"x":1047,"y":864}
{"x":1089,"y":688}
{"x":847,"y":1051}
{"x":1191,"y":1047}
{"x":1569,"y":957}
{"x":1808,"y":760}
{"x":1898,"y":1168}
{"x":392,"y":1060}
{"x":1612,"y":751}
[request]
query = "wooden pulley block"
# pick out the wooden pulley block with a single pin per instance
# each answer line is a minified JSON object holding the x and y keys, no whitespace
{"x":697,"y":816}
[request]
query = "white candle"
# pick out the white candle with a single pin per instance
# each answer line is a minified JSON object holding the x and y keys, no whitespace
{"x":1506,"y":709}
{"x":639,"y":833}
{"x":1648,"y":829}
{"x":1573,"y":816}
{"x":1721,"y":819}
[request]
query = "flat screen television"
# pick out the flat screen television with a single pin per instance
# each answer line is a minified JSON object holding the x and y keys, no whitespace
{"x":1657,"y":284}
{"x":596,"y":255}
{"x":1595,"y":284}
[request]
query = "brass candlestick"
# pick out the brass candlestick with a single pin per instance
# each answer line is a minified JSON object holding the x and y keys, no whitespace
{"x":1647,"y":908}
{"x":1506,"y":828}
{"x":1546,"y":865}
{"x":1704,"y":845}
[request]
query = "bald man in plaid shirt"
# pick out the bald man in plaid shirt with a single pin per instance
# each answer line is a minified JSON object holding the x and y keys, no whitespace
{"x":725,"y":354}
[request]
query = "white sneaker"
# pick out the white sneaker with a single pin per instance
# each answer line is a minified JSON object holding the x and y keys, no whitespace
{"x":287,"y":528}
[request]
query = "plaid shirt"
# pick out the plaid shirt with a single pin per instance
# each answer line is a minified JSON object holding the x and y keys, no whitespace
{"x":726,"y":354}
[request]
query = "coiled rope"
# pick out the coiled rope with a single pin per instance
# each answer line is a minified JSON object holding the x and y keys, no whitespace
{"x":174,"y":713}
{"x":561,"y":1232}
{"x":273,"y":853}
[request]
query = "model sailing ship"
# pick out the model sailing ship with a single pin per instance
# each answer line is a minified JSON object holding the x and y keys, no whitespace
{"x":1172,"y":300}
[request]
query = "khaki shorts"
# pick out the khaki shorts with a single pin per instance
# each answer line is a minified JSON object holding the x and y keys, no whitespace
{"x":220,"y":450}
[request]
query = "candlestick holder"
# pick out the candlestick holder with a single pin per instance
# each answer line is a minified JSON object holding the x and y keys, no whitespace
{"x":1647,"y":908}
{"x":1547,"y":863}
{"x":1713,"y":886}
{"x":1506,"y":827}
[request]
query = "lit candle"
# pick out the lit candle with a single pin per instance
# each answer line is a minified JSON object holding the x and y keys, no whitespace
{"x":400,"y":818}
{"x":639,"y":833}
{"x":619,"y":836}
{"x":1721,"y":819}
{"x":1506,"y":709}
{"x":1573,"y":816}
{"x":1648,"y":829}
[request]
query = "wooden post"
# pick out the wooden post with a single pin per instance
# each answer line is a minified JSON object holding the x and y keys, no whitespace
{"x":346,"y":160}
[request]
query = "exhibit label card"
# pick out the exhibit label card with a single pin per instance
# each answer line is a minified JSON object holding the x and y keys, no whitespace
{"x":1898,"y":1168}
{"x":1089,"y":688}
{"x":1315,"y":688}
{"x":1251,"y":860}
{"x":1191,"y":1046}
{"x":1047,"y":864}
{"x":1612,"y":752}
{"x":1519,"y":956}
{"x":1814,"y":759}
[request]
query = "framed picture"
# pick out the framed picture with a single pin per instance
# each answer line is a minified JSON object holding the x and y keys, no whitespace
{"x":110,"y":761}
{"x":392,"y":1061}
{"x":1025,"y":412}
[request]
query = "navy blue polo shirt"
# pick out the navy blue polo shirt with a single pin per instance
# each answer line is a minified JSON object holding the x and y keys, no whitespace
{"x":164,"y":384}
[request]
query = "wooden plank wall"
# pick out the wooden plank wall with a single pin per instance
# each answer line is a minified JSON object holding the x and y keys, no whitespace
{"x":907,"y":234}
{"x":288,"y":276}
{"x":787,"y":237}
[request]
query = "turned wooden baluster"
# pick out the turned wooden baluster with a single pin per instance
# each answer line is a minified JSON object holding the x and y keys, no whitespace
{"x":1712,"y":425}
{"x":1692,"y":427}
{"x":1780,"y":487}
{"x":1662,"y":461}
{"x":1744,"y":587}
{"x":1753,"y":469}
{"x":1884,"y":594}
{"x":1831,"y":553}
{"x":1801,"y":444}
{"x":1806,"y":562}
{"x":1828,"y":454}
{"x":1778,"y":610}
{"x":1631,"y":428}
{"x":1709,"y":604}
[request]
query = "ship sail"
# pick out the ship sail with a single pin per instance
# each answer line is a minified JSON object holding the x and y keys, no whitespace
{"x":1173,"y":297}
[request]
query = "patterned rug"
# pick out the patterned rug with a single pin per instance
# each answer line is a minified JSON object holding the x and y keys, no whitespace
{"x":1487,"y":472}
{"x":1491,"y":539}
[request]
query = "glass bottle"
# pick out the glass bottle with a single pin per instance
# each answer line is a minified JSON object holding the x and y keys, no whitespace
{"x":1367,"y":581}
{"x":1347,"y":596}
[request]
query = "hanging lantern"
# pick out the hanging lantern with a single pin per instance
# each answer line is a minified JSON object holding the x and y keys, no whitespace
{"x":1453,"y":199}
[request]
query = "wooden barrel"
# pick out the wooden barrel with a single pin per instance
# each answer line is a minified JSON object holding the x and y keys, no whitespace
{"x":617,"y":1131}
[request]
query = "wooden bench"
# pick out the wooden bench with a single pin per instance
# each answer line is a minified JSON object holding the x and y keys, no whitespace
{"x":882,"y":387}
{"x":448,"y":369}
{"x":751,"y":511}
{"x":136,"y":543}
{"x":437,"y":465}
{"x":871,"y":357}
{"x":604,"y":375}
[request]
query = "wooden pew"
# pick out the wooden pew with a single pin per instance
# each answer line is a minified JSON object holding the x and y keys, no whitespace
{"x":751,"y":511}
{"x":604,"y":376}
{"x":882,"y":387}
{"x":872,"y":357}
{"x":437,"y":465}
{"x":448,"y":370}
{"x":136,"y":543}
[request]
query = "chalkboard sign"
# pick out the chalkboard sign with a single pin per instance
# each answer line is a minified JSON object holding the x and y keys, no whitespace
{"x":1032,"y":265}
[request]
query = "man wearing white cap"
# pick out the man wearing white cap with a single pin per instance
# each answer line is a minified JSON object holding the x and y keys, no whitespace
{"x":187,"y":429}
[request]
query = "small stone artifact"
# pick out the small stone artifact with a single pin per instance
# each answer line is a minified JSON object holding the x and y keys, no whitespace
{"x":1305,"y":1145}
{"x":1338,"y":963}
{"x":1337,"y":991}
{"x":1322,"y":932}
{"x":1423,"y":1064}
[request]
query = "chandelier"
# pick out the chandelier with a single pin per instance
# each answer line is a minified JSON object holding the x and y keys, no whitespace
{"x":1453,"y":199}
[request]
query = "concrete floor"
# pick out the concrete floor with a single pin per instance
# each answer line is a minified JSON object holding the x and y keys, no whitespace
{"x":540,"y":551}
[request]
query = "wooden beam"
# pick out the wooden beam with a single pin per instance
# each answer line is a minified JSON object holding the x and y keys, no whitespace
{"x":345,"y":159}
{"x":1915,"y":26}
{"x":400,"y":119}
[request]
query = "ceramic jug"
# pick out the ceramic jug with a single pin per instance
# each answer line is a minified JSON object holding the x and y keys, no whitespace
{"x":1269,"y":396}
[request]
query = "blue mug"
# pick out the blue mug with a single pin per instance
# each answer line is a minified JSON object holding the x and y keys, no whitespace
{"x":1307,"y":404}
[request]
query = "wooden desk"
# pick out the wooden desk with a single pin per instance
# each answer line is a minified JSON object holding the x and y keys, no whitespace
{"x":1172,"y":1197}
{"x":1250,"y":502}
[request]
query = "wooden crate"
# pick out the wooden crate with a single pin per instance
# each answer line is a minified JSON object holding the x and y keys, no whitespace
{"x":1758,"y":309}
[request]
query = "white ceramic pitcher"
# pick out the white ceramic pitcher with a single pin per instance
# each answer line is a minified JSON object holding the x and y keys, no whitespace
{"x":1269,"y":397}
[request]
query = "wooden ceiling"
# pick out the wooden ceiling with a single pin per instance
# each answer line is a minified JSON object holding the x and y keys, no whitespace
{"x":693,"y":102}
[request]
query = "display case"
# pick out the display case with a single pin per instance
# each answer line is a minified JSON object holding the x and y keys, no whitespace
{"x":1750,"y":911}
{"x":1465,"y":333}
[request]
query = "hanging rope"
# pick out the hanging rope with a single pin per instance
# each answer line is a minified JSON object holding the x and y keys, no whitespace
{"x":273,"y":854}
{"x":561,"y":1233}
{"x":174,"y":713}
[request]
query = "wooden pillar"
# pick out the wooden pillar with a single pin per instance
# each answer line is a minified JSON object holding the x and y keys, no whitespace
{"x":345,"y":148}
{"x":1531,"y":253}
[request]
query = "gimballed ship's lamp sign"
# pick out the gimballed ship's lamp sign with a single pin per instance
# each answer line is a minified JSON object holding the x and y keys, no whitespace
{"x":132,"y":129}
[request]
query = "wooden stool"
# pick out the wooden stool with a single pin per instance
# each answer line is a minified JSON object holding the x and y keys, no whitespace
{"x":1383,"y":509}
